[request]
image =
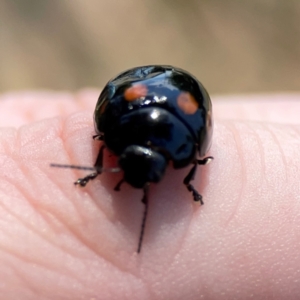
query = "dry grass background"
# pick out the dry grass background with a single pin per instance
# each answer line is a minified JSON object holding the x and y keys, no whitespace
{"x":232,"y":46}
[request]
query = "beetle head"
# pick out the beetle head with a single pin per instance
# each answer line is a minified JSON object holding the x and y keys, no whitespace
{"x":142,"y":165}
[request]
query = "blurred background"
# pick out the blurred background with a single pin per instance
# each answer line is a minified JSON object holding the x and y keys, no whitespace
{"x":232,"y":46}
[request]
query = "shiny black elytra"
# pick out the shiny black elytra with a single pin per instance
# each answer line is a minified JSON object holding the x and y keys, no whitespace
{"x":148,"y":116}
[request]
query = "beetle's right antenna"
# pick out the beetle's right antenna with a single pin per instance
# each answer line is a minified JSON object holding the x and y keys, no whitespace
{"x":145,"y":201}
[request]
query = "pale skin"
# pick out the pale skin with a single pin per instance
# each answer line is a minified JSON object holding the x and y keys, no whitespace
{"x":58,"y":241}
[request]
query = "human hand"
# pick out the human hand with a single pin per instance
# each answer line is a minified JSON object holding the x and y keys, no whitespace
{"x":58,"y":241}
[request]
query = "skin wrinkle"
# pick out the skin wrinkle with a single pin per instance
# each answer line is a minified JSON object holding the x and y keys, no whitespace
{"x":20,"y":284}
{"x":274,"y":205}
{"x":238,"y":144}
{"x":97,"y":204}
{"x":102,"y":208}
{"x":179,"y":247}
{"x":111,"y":219}
{"x":26,"y":196}
{"x":186,"y":233}
{"x":40,"y":204}
{"x":294,"y":219}
{"x":26,"y":224}
{"x":283,"y":222}
{"x":83,"y":241}
{"x":80,"y":238}
{"x":78,"y":283}
{"x":23,"y":191}
{"x":296,"y":129}
{"x":182,"y":240}
{"x":88,"y":191}
{"x":149,"y":294}
{"x":71,"y":274}
{"x":69,"y":227}
{"x":26,"y":283}
{"x":5,"y":146}
{"x":261,"y":152}
{"x":177,"y":251}
{"x":78,"y":279}
{"x":98,"y":253}
{"x":32,"y":228}
{"x":179,"y":243}
{"x":65,"y":137}
{"x":262,"y":156}
{"x":29,"y":261}
{"x":48,"y":267}
{"x":63,"y":143}
{"x":267,"y":126}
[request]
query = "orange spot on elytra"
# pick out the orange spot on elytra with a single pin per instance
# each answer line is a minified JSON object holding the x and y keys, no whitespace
{"x":136,"y":91}
{"x":187,"y":103}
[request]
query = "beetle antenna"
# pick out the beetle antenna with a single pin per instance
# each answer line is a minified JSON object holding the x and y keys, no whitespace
{"x":145,"y":201}
{"x":99,"y":170}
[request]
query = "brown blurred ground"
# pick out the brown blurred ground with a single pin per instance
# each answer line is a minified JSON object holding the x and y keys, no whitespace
{"x":231,"y":46}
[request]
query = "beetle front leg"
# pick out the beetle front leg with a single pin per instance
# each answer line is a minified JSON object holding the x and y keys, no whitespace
{"x":98,"y":166}
{"x":191,"y":175}
{"x":205,"y":160}
{"x":98,"y":137}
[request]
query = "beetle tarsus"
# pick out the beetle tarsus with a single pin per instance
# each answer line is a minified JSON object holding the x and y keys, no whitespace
{"x":83,"y":181}
{"x":197,"y":197}
{"x":98,"y":137}
{"x":98,"y":166}
{"x":205,"y":160}
{"x":118,"y":186}
{"x":191,"y":175}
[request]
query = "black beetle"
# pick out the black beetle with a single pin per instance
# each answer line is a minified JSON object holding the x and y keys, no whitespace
{"x":148,"y":116}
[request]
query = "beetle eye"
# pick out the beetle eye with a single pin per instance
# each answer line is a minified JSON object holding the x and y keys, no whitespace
{"x":187,"y":103}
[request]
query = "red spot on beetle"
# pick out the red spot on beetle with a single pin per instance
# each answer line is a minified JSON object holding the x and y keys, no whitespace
{"x":136,"y":91}
{"x":187,"y":103}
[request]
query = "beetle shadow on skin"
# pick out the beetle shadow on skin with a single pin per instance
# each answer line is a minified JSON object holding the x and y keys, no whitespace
{"x":124,"y":207}
{"x":170,"y":212}
{"x":174,"y":214}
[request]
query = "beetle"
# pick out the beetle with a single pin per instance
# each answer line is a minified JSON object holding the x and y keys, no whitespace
{"x":149,"y":116}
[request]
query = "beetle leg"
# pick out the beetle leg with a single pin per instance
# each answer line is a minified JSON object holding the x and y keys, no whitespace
{"x":98,"y":165}
{"x":205,"y":160}
{"x":190,"y":176}
{"x":117,"y":187}
{"x":98,"y":137}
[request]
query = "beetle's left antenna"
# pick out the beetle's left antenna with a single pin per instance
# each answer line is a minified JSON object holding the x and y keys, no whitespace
{"x":99,"y":170}
{"x":145,"y":201}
